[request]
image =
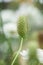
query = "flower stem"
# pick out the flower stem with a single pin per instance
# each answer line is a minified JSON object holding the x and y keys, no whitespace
{"x":17,"y":52}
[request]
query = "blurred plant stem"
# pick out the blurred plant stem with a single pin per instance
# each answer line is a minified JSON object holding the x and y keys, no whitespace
{"x":9,"y":44}
{"x":1,"y":23}
{"x":10,"y":51}
{"x":8,"y":58}
{"x":17,"y":52}
{"x":33,"y":59}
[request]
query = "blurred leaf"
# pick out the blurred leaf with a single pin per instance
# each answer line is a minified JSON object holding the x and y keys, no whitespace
{"x":3,"y":5}
{"x":34,"y":62}
{"x":13,"y":5}
{"x":0,"y":20}
{"x":8,"y":58}
{"x":39,"y":5}
{"x":2,"y":38}
{"x":2,"y":62}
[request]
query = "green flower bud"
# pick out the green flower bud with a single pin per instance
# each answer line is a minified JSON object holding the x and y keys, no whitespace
{"x":22,"y":26}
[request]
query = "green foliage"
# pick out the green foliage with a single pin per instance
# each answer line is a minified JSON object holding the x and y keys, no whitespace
{"x":3,"y":5}
{"x":8,"y":58}
{"x":10,"y":5}
{"x":13,"y":5}
{"x":2,"y":38}
{"x":2,"y":62}
{"x":33,"y":49}
{"x":39,"y":5}
{"x":34,"y":62}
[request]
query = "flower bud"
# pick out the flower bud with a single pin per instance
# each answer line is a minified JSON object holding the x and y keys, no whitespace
{"x":22,"y":26}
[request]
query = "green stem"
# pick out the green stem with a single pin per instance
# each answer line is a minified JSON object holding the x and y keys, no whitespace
{"x":9,"y":44}
{"x":17,"y":52}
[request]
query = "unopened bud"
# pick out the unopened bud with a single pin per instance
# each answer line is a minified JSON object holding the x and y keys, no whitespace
{"x":22,"y":26}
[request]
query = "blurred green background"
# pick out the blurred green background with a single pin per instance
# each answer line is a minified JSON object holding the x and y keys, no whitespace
{"x":10,"y":11}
